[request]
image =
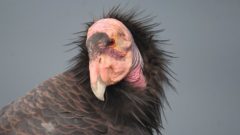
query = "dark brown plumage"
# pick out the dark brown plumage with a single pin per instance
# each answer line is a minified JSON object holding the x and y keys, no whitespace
{"x":65,"y":104}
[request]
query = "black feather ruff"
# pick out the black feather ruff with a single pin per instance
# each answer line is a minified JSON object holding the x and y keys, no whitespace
{"x":124,"y":104}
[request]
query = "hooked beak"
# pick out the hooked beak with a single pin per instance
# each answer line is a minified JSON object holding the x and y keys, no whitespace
{"x":99,"y":89}
{"x":97,"y":85}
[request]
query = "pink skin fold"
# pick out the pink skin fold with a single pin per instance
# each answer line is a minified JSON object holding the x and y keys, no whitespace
{"x":105,"y":68}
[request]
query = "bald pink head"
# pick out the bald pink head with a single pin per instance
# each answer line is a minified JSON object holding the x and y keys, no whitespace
{"x":113,"y":56}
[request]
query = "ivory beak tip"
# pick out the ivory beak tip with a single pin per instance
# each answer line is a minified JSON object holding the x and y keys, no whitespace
{"x":99,"y":89}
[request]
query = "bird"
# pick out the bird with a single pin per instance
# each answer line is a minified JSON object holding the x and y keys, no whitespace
{"x":115,"y":85}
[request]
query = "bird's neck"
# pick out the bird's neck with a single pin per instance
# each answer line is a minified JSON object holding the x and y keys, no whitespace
{"x":135,"y":77}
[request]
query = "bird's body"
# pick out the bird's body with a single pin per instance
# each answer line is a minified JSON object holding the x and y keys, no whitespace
{"x":59,"y":106}
{"x":115,"y":87}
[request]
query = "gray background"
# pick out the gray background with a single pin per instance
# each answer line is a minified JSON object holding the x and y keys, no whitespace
{"x":204,"y":35}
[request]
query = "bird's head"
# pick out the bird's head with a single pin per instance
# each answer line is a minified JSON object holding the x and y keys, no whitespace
{"x":113,"y":56}
{"x":122,"y":59}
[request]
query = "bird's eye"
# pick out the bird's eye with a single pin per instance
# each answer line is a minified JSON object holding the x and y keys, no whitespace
{"x":110,"y":42}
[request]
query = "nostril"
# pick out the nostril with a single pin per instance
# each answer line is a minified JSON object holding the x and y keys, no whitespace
{"x":99,"y":61}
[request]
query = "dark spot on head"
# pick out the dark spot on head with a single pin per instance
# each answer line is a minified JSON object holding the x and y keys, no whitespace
{"x":97,"y":43}
{"x":98,"y":38}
